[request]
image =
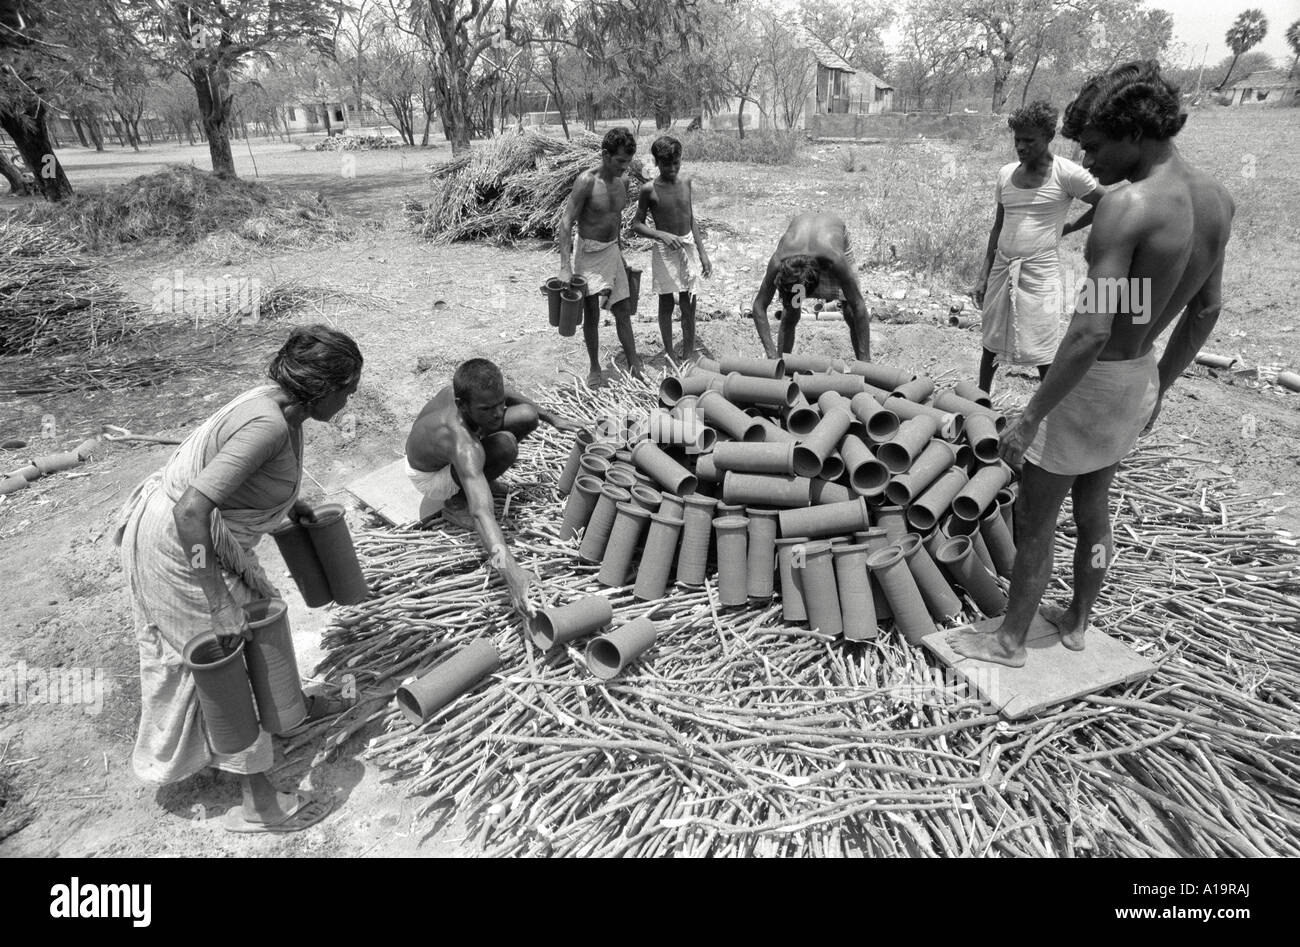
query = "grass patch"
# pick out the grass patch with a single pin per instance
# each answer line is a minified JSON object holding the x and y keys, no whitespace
{"x":757,"y":147}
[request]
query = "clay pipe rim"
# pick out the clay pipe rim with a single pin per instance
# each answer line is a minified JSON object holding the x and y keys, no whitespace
{"x":953,"y":550}
{"x":885,"y":557}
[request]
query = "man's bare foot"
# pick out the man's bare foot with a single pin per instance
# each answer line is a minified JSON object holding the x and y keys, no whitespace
{"x":595,"y":378}
{"x":1067,"y":623}
{"x":635,"y":370}
{"x":498,"y":488}
{"x":987,"y":646}
{"x":456,"y":511}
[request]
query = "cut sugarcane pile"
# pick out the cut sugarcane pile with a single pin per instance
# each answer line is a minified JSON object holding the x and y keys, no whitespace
{"x":739,"y":735}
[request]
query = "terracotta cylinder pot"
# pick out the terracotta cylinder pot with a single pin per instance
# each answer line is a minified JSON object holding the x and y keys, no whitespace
{"x":272,"y":666}
{"x":917,"y":390}
{"x":977,"y":496}
{"x":833,"y":467}
{"x":867,"y":475}
{"x":582,"y":501}
{"x":876,"y":539}
{"x":801,"y":419}
{"x":732,"y":535}
{"x":814,"y":385}
{"x":933,"y":585}
{"x":729,"y":509}
{"x":552,"y":289}
{"x":332,"y":541}
{"x":812,"y":451}
{"x":225,"y":694}
{"x":907,"y":443}
{"x":685,"y":409}
{"x":972,"y":392}
{"x":996,"y":536}
{"x":950,"y":425}
{"x":857,"y":606}
{"x":795,"y":364}
{"x":880,"y":422}
{"x":697,"y":528}
{"x":820,"y":593}
{"x":1289,"y":380}
{"x":911,"y":617}
{"x":581,"y":442}
{"x":720,"y":413}
{"x":594,"y":465}
{"x":294,"y":543}
{"x":958,"y":557}
{"x":955,"y":404}
{"x":893,"y":520}
{"x":792,"y":604}
{"x":706,"y":364}
{"x":926,"y":511}
{"x":767,"y":489}
{"x":1006,"y":506}
{"x":13,"y":484}
{"x":1215,"y":361}
{"x":965,"y":458}
{"x":693,"y":435}
{"x":882,"y":376}
{"x":755,"y":367}
{"x":698,"y":382}
{"x":621,"y":477}
{"x":657,"y":557}
{"x":762,"y":458}
{"x":774,"y":433}
{"x":982,"y":435}
{"x":760,"y":569}
{"x":610,"y":654}
{"x":596,"y":535}
{"x":706,"y":471}
{"x":579,"y":283}
{"x":672,"y":476}
{"x":670,"y":506}
{"x":955,"y":526}
{"x":822,"y":492}
{"x":553,"y":627}
{"x":937,"y":457}
{"x":630,"y":522}
{"x":571,"y":306}
{"x":647,"y":498}
{"x":56,"y":463}
{"x":826,"y":520}
{"x":829,"y":400}
{"x":422,"y":698}
{"x":670,"y":391}
{"x":747,"y":389}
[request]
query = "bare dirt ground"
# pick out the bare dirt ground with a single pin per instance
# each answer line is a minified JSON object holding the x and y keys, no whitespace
{"x":419,"y":309}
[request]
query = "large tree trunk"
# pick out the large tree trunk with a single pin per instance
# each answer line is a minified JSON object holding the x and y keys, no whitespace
{"x":663,"y":117}
{"x":211,"y":85}
{"x":424,"y":139}
{"x":325,"y":111}
{"x":30,"y":133}
{"x":18,"y":186}
{"x":131,"y":137}
{"x":740,"y":121}
{"x":96,"y":133}
{"x":81,"y":132}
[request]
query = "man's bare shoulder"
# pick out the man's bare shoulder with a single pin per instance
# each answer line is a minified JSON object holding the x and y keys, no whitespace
{"x":585,"y":182}
{"x":1206,"y":185}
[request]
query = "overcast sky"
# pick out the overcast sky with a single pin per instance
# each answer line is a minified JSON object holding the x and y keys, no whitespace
{"x":1197,"y":22}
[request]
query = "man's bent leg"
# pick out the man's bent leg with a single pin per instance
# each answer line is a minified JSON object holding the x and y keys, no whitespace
{"x":623,"y":324}
{"x":590,"y":335}
{"x":520,"y":420}
{"x":1041,"y":495}
{"x":500,"y":451}
{"x":988,"y":365}
{"x":1092,"y":554}
{"x":785,"y":338}
{"x":666,"y":322}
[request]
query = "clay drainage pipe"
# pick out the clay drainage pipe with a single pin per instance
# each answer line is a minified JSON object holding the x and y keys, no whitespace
{"x":630,"y":522}
{"x":273,"y":667}
{"x":982,"y":435}
{"x":925,"y":512}
{"x":911,"y":617}
{"x":225,"y":694}
{"x":609,"y":654}
{"x":758,"y":458}
{"x":867,"y":475}
{"x":767,"y":489}
{"x":937,"y":594}
{"x":857,"y":607}
{"x":800,"y":419}
{"x":657,"y":557}
{"x":882,"y":376}
{"x":582,"y":501}
{"x":811,"y":453}
{"x":755,"y":367}
{"x":697,"y":527}
{"x":907,"y":443}
{"x":978,"y":494}
{"x":570,"y":472}
{"x":330,"y":537}
{"x":957,"y":555}
{"x":552,"y":627}
{"x":761,"y":553}
{"x":879,"y":422}
{"x":421,"y":698}
{"x":814,"y":386}
{"x":937,"y":457}
{"x":672,"y":476}
{"x":720,"y":413}
{"x":825,"y":520}
{"x":797,"y":364}
{"x":596,"y":536}
{"x":820,"y":594}
{"x":731,"y":533}
{"x":774,"y":392}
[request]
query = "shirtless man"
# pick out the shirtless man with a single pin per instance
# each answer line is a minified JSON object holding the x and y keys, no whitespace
{"x":812,"y":260}
{"x":466,"y":437}
{"x":668,"y":199}
{"x":596,"y":204}
{"x":1163,"y":236}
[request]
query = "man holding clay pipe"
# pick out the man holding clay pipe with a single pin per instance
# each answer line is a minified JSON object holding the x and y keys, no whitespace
{"x":464,"y":439}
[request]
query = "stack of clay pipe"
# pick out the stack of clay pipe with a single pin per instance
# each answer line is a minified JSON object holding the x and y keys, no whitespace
{"x":22,"y":478}
{"x":567,"y":302}
{"x":876,"y":498}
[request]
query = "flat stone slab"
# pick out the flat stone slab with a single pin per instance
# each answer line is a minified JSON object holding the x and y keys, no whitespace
{"x":390,"y":493}
{"x":1053,"y":674}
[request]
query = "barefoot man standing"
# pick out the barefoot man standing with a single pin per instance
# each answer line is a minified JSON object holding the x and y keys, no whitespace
{"x":596,"y":205}
{"x":813,"y":259}
{"x":464,"y":438}
{"x":1156,"y":249}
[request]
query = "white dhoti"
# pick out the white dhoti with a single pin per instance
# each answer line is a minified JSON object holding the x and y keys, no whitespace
{"x":601,"y":264}
{"x":435,"y":484}
{"x":671,"y":269}
{"x":1022,"y":308}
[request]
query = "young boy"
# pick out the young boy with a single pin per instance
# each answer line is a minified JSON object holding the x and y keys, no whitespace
{"x":668,"y":199}
{"x":596,"y":204}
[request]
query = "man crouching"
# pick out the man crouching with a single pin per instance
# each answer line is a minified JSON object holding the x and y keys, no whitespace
{"x":464,"y":439}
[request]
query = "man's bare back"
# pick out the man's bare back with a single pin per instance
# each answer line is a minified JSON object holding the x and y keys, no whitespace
{"x":438,"y":431}
{"x":814,"y":234}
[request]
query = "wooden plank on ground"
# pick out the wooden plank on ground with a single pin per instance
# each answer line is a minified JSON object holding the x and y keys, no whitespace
{"x":1053,"y":674}
{"x":390,"y":493}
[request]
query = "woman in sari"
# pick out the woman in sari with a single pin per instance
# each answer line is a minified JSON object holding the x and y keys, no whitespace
{"x":186,"y":537}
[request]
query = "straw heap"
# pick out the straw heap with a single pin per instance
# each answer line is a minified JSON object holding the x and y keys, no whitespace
{"x":738,"y":735}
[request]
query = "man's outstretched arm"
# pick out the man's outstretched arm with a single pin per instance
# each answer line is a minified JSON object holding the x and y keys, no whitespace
{"x":759,"y":310}
{"x":468,"y":462}
{"x":556,"y":421}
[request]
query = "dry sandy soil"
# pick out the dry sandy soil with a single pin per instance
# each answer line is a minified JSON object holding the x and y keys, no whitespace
{"x":417,"y":310}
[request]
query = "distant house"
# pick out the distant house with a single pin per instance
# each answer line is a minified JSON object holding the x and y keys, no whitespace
{"x":343,"y":116}
{"x":1264,"y":86}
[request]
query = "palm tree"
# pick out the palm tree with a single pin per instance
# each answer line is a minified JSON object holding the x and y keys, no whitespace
{"x":1246,"y":32}
{"x":1293,"y":40}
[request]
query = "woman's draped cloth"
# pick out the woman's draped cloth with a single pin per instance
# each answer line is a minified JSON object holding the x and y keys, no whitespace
{"x":170,"y":608}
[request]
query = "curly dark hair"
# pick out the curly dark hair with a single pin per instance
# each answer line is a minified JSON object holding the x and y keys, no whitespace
{"x":800,"y":270}
{"x":617,"y":141}
{"x":1036,"y":116}
{"x":475,"y":374}
{"x":315,"y":361}
{"x":1129,"y":98}
{"x":666,"y":148}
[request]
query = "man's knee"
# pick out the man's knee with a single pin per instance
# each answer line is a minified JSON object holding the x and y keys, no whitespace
{"x":521,"y":420}
{"x":500,"y":451}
